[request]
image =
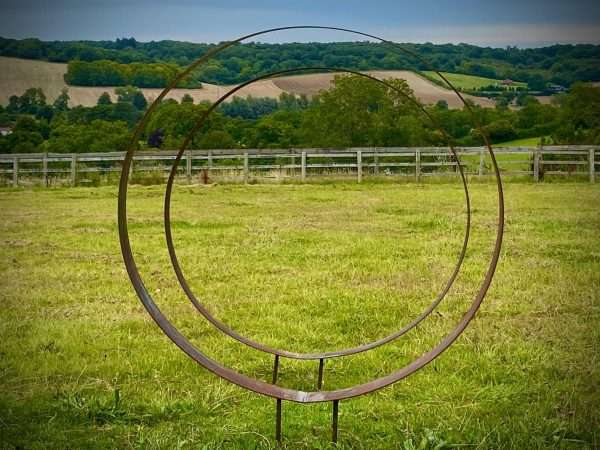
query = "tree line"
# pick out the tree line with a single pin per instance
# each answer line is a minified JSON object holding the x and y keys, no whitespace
{"x":560,"y":64}
{"x":355,"y":112}
{"x":110,"y":73}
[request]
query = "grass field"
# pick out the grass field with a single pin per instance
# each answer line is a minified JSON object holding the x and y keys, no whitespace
{"x":526,"y":142}
{"x":302,"y":267}
{"x":468,"y":82}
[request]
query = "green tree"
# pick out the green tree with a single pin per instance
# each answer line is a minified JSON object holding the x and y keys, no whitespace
{"x":187,"y":98}
{"x":104,"y":99}
{"x":29,"y":103}
{"x":272,"y":132}
{"x":62,"y":101}
{"x":360,"y":112}
{"x":579,"y":116}
{"x":139,"y":101}
{"x":442,"y":104}
{"x":177,"y":120}
{"x":97,"y":136}
{"x":131,"y":94}
{"x":126,"y":93}
{"x":26,"y":137}
{"x":216,"y":139}
{"x":500,"y":131}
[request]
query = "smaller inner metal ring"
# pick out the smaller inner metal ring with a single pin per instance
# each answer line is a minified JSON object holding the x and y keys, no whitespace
{"x":257,"y":345}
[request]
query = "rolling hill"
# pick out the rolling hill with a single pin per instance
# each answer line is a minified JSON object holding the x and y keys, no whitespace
{"x":17,"y":75}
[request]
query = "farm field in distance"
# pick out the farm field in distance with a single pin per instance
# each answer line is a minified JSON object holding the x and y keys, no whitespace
{"x":525,"y":142}
{"x":303,"y":267}
{"x":469,"y":82}
{"x":17,"y":75}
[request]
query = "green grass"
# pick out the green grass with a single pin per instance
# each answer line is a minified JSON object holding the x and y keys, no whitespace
{"x":517,"y":161}
{"x":526,"y":142}
{"x":302,"y":267}
{"x":468,"y":82}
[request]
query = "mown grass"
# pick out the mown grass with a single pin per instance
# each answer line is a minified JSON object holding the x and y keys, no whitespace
{"x":525,"y":142}
{"x":302,"y":267}
{"x":468,"y":82}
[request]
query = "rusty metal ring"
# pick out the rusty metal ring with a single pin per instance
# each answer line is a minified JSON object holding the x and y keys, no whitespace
{"x":259,"y":346}
{"x":244,"y":381}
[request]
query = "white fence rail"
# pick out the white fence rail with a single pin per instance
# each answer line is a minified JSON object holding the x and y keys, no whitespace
{"x":248,"y":165}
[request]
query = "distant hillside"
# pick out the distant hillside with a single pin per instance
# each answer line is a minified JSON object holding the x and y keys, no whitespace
{"x":17,"y":75}
{"x":560,"y":64}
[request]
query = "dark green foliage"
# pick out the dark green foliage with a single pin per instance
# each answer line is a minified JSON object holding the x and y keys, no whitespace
{"x":176,"y":120}
{"x":26,"y":137}
{"x":139,"y":101}
{"x":104,"y":99}
{"x":254,"y":108}
{"x":31,"y":102}
{"x":442,"y":104}
{"x":217,"y":139}
{"x":579,"y":116}
{"x":121,"y":111}
{"x":133,"y":95}
{"x":501,"y":131}
{"x":62,"y":101}
{"x":355,"y":112}
{"x":359,"y":112}
{"x":97,"y":136}
{"x":159,"y":61}
{"x":110,"y":73}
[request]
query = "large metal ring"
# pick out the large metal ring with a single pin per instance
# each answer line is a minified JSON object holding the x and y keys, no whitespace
{"x":259,"y":386}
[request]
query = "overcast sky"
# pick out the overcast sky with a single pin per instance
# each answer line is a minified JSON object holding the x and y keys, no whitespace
{"x":496,"y":23}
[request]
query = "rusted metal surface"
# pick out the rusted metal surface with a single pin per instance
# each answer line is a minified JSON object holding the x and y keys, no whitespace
{"x":275,"y":369}
{"x":334,"y":421}
{"x":278,"y":421}
{"x":320,"y":378}
{"x":258,"y":386}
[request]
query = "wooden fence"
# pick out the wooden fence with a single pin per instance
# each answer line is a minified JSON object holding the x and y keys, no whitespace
{"x":280,"y":164}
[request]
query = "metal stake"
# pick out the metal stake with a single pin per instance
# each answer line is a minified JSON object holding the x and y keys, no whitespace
{"x":320,"y":380}
{"x":278,"y":421}
{"x":334,"y":425}
{"x":275,"y":368}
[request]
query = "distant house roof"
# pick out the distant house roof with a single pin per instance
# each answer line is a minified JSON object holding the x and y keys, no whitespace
{"x":507,"y":82}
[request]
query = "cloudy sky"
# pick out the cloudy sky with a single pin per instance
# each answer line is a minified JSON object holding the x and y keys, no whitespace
{"x":524,"y":23}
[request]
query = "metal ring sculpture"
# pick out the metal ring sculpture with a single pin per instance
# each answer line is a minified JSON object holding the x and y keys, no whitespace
{"x":271,"y":389}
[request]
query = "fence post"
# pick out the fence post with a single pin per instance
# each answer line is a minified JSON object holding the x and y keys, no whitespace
{"x":73,"y":169}
{"x":15,"y":173}
{"x":376,"y":169}
{"x":481,"y":162}
{"x":188,"y":166}
{"x":359,"y":166}
{"x":45,"y":169}
{"x":591,"y":165}
{"x":536,"y":165}
{"x":418,"y":165}
{"x":246,"y":168}
{"x":303,"y":164}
